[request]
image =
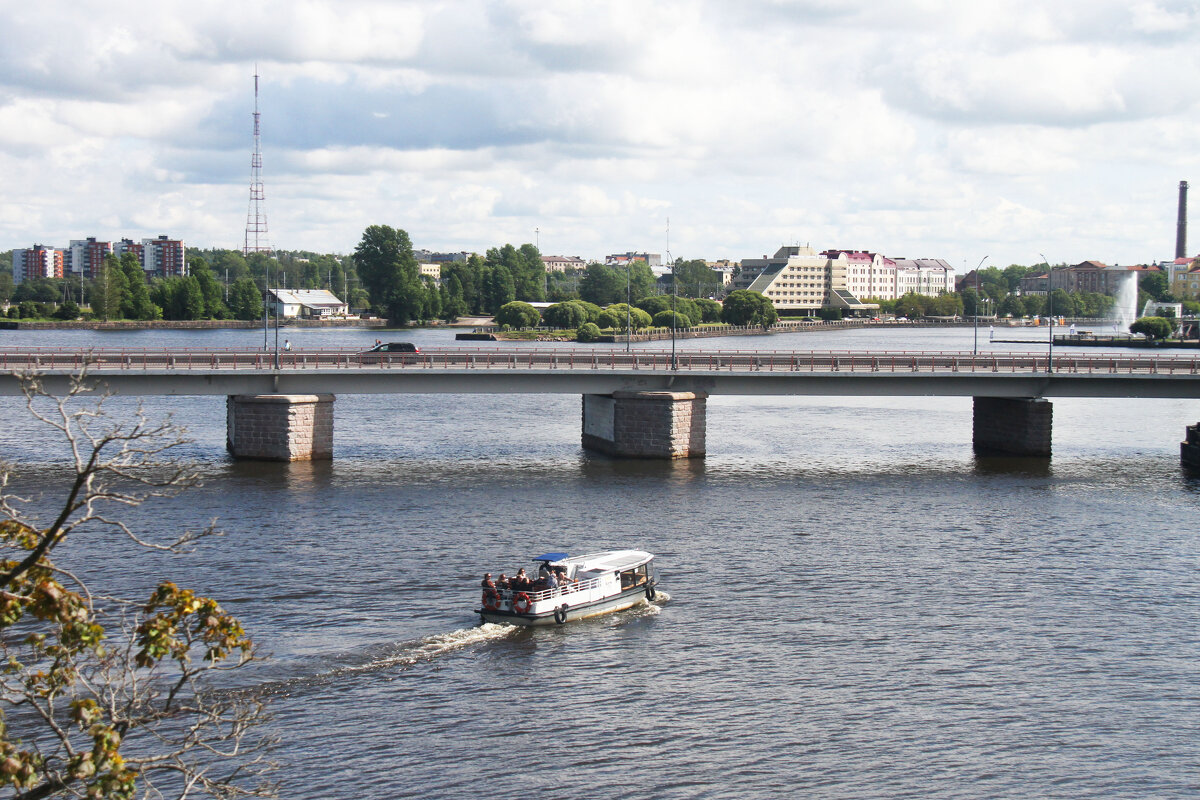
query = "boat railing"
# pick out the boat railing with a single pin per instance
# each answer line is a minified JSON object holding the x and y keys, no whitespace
{"x":546,"y":594}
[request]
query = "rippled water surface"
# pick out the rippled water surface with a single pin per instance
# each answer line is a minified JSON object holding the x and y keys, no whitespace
{"x":856,"y":605}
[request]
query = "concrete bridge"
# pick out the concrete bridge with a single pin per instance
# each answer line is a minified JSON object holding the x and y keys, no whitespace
{"x":642,"y":403}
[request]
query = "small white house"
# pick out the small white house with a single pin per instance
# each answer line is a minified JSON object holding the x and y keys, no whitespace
{"x":306,"y":303}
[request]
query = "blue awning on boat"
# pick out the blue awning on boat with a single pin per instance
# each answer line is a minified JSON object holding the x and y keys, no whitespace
{"x":551,"y":557}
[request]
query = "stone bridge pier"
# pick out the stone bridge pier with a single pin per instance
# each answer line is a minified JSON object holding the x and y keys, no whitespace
{"x":1012,"y":426}
{"x":645,"y":424}
{"x":279,"y":427}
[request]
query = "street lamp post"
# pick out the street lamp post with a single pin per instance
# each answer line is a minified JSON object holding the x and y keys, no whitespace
{"x":628,"y":300}
{"x":976,"y":314}
{"x":1050,"y":310}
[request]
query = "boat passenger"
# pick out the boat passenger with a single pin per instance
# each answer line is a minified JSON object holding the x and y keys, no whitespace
{"x":502,"y":581}
{"x":520,"y":580}
{"x":486,"y":583}
{"x":551,"y":581}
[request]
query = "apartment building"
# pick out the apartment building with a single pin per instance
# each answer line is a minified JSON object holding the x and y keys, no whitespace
{"x":84,"y":256}
{"x":799,"y":279}
{"x":38,"y":261}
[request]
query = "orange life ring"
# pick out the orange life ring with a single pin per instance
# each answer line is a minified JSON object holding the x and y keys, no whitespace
{"x":521,"y":603}
{"x":491,"y":600}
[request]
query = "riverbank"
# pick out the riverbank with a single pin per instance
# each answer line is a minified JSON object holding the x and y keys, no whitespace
{"x":213,"y":324}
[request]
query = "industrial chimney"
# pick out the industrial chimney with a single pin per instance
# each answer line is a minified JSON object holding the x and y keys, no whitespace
{"x":1181,"y":225}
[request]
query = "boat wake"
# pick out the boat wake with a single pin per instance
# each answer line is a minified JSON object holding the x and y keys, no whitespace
{"x":389,"y":658}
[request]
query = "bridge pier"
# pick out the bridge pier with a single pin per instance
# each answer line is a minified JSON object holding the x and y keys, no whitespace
{"x":279,"y":427}
{"x":1012,"y":426}
{"x":645,"y":424}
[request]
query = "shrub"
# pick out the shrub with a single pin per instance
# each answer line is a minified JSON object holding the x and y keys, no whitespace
{"x":587,"y":332}
{"x":518,"y":315}
{"x":663,"y":320}
{"x":743,"y":307}
{"x":1153,"y":327}
{"x":830,"y":313}
{"x":565,"y":315}
{"x":617,"y":315}
{"x":658,"y":303}
{"x":710,"y":310}
{"x":67,"y":311}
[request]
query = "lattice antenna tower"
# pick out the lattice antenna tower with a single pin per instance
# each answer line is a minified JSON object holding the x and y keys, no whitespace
{"x":256,"y":216}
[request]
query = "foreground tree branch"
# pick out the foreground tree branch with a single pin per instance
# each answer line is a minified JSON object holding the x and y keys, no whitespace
{"x":101,"y":696}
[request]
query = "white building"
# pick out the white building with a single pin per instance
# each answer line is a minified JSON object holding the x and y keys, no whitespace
{"x":431,"y":271}
{"x":306,"y":303}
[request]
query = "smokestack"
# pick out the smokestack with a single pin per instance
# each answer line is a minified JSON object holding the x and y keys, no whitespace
{"x":1181,"y":225}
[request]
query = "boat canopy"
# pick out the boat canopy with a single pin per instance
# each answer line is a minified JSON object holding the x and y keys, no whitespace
{"x":551,"y":557}
{"x":614,"y":560}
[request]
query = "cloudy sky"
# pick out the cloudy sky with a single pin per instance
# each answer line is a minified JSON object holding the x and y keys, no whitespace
{"x":916,"y":128}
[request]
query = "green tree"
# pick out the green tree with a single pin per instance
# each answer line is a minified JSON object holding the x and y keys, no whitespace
{"x":136,"y":302}
{"x":499,"y":288}
{"x":518,"y":314}
{"x":619,"y":315}
{"x":453,"y":303}
{"x":385,"y":263}
{"x":212,"y":290}
{"x":744,"y":307}
{"x":92,"y":671}
{"x":1156,"y":328}
{"x":1156,"y":285}
{"x":108,"y":289}
{"x":432,"y":307}
{"x":602,"y":285}
{"x":911,"y":305}
{"x":695,"y":278}
{"x":710,"y":310}
{"x":6,"y":286}
{"x":245,"y":300}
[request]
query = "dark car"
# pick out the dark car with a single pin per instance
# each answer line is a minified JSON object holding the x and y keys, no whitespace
{"x":392,"y":351}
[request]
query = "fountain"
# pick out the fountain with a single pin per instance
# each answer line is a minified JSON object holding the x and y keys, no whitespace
{"x":1124,"y":310}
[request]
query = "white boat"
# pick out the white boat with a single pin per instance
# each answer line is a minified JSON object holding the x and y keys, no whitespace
{"x":594,"y":584}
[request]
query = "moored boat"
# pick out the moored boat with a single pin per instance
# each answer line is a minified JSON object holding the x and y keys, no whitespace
{"x":581,"y":586}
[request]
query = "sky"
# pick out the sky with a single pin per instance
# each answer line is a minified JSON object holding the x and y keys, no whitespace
{"x":992,"y":129}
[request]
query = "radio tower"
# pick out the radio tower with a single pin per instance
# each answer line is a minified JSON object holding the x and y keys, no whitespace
{"x":256,"y":216}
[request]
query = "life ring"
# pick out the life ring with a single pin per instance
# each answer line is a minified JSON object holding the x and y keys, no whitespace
{"x":650,"y":593}
{"x":521,"y":603}
{"x":560,"y":614}
{"x":491,"y":600}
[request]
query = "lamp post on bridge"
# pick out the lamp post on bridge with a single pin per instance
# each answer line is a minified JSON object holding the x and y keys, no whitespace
{"x":976,"y":314}
{"x":1050,"y":310}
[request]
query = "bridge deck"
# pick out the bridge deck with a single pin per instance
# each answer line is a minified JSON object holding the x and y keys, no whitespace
{"x":602,"y":371}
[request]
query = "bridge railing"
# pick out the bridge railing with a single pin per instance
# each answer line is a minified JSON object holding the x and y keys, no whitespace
{"x":577,"y":358}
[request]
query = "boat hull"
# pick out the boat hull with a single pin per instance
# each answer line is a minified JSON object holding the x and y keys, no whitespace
{"x":604,"y":605}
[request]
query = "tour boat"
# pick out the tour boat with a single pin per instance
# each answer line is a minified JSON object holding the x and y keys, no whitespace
{"x":593,"y":584}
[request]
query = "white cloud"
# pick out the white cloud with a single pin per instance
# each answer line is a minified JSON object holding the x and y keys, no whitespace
{"x":925,"y":127}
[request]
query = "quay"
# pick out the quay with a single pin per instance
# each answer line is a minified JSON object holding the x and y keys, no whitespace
{"x":642,"y":404}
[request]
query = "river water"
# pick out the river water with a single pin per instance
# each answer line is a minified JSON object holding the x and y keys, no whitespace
{"x":857,"y":605}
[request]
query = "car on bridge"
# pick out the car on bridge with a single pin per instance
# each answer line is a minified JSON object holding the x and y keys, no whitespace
{"x":403,"y":352}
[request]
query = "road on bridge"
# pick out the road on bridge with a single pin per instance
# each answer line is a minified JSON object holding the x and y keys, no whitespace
{"x":100,"y":360}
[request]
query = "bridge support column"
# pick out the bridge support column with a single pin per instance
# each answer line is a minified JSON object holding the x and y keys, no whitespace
{"x":1013,"y":426}
{"x":645,"y":424}
{"x":279,"y":427}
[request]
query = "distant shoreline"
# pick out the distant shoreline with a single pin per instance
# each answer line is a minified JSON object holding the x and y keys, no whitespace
{"x":213,"y":324}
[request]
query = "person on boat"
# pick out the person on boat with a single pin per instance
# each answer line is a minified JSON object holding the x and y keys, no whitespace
{"x":551,"y":581}
{"x":520,"y":580}
{"x":486,"y":583}
{"x":502,"y":581}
